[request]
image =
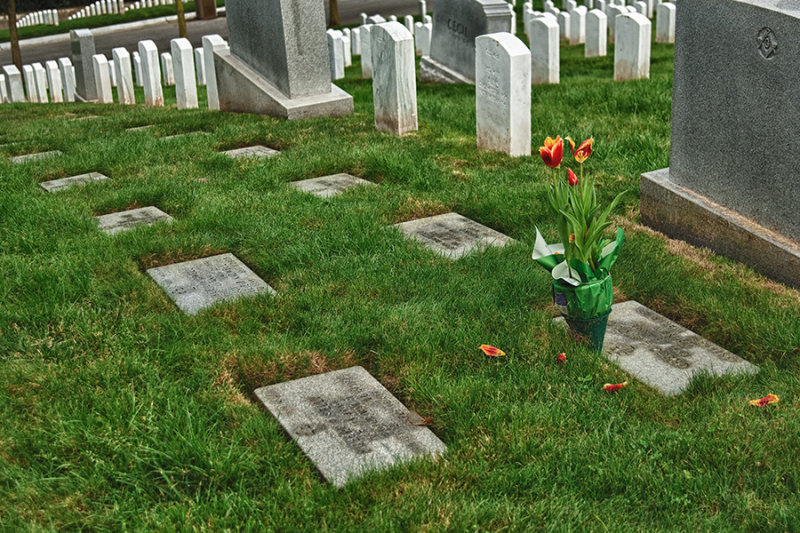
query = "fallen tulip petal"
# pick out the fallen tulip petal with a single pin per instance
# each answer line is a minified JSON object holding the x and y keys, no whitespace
{"x":562,"y":358}
{"x":609,"y":387}
{"x":765,"y":401}
{"x":491,"y":351}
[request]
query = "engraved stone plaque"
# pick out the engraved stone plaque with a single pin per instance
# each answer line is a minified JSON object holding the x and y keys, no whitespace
{"x":252,"y":151}
{"x":65,"y":183}
{"x":113,"y":223}
{"x":452,"y":235}
{"x":661,"y":353}
{"x":328,"y":186}
{"x":200,"y":283}
{"x":347,"y":423}
{"x":34,"y":157}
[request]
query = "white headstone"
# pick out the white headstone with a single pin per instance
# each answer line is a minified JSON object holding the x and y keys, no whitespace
{"x":641,"y":8}
{"x":408,"y":20}
{"x":112,"y":73}
{"x":665,"y":23}
{"x":394,"y":85}
{"x":54,"y":81}
{"x":424,"y":35}
{"x":545,"y":54}
{"x":335,"y":55}
{"x":363,"y":18}
{"x":30,"y":84}
{"x":417,"y":38}
{"x":200,"y":66}
{"x":211,"y":44}
{"x":167,"y":72}
{"x":614,"y":11}
{"x":366,"y":52}
{"x":137,"y":68}
{"x":15,"y":91}
{"x":563,"y":24}
{"x":423,"y":8}
{"x":67,"y":78}
{"x":122,"y":67}
{"x":577,"y":25}
{"x":183,"y":64}
{"x":4,"y":98}
{"x":355,"y":42}
{"x":102,"y":79}
{"x":632,"y":50}
{"x":151,"y":74}
{"x":596,"y":33}
{"x":348,"y":56}
{"x":503,"y":94}
{"x":40,"y":76}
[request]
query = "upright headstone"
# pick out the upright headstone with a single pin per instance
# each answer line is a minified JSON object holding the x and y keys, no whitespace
{"x":122,"y":66}
{"x":596,"y":34}
{"x":200,"y":66}
{"x":211,"y":44}
{"x":137,"y":68}
{"x":82,"y":46}
{"x":335,"y":54}
{"x":112,"y":73}
{"x":577,"y":25}
{"x":732,"y":184}
{"x":167,"y":71}
{"x":348,"y":57}
{"x":563,"y":19}
{"x":355,"y":42}
{"x":291,"y":81}
{"x":408,"y":20}
{"x":641,"y":8}
{"x":394,"y":86}
{"x":151,"y":74}
{"x":103,"y":79}
{"x":545,"y":55}
{"x":632,"y":50}
{"x":30,"y":84}
{"x":375,"y":19}
{"x":503,"y":94}
{"x":423,"y":8}
{"x":614,"y":11}
{"x":665,"y":23}
{"x":4,"y":98}
{"x":366,"y":52}
{"x":54,"y":81}
{"x":183,"y":68}
{"x":67,"y":78}
{"x":423,"y":35}
{"x":456,"y":25}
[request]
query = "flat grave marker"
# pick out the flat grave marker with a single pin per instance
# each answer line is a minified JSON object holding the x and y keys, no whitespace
{"x":348,"y":424}
{"x":114,"y":223}
{"x":452,"y":235}
{"x":200,"y":283}
{"x":179,"y":135}
{"x":251,"y":151}
{"x":327,"y":186}
{"x":27,"y":158}
{"x":139,"y":128}
{"x":65,"y":183}
{"x":661,"y":353}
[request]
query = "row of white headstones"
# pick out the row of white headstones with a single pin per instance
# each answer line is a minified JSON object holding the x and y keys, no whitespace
{"x":116,"y":7}
{"x":45,"y":16}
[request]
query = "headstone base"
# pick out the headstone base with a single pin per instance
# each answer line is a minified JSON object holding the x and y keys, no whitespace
{"x":431,"y":71}
{"x":241,"y":89}
{"x":683,"y":214}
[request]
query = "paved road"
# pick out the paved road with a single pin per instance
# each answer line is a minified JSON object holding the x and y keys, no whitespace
{"x":349,"y":13}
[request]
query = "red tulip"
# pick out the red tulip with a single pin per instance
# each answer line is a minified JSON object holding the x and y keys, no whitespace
{"x":552,"y":152}
{"x":491,"y":351}
{"x":765,"y":401}
{"x":608,"y":387}
{"x":562,"y":358}
{"x":572,"y":179}
{"x":583,"y":151}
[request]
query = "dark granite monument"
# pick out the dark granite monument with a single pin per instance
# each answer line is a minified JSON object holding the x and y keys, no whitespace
{"x":733,"y":183}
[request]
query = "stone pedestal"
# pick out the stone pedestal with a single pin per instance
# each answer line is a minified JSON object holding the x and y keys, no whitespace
{"x":291,"y":81}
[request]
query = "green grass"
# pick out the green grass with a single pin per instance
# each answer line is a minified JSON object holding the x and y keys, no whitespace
{"x":64,"y":26}
{"x":118,"y":412}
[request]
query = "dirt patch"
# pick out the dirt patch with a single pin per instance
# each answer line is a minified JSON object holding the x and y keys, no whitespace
{"x":413,"y":208}
{"x":252,"y":371}
{"x":177,"y":256}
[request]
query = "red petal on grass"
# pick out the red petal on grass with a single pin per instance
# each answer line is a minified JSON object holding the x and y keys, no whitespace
{"x":491,"y":351}
{"x":765,"y":401}
{"x":613,"y":387}
{"x":562,"y":358}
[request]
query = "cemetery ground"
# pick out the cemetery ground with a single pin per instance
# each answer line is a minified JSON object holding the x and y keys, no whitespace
{"x":119,"y":412}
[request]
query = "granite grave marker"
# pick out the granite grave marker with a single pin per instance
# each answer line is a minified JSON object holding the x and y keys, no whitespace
{"x":327,"y":186}
{"x":114,"y":223}
{"x":452,"y":235}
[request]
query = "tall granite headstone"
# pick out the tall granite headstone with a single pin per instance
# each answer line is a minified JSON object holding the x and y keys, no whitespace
{"x":82,"y":46}
{"x":733,"y":184}
{"x":456,"y":24}
{"x":278,"y":61}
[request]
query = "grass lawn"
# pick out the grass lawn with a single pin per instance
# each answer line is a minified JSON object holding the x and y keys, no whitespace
{"x":118,"y":412}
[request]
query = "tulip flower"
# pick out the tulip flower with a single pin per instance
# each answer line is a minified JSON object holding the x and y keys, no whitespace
{"x":562,"y":358}
{"x":765,"y":401}
{"x":491,"y":351}
{"x":583,"y":151}
{"x":552,"y":152}
{"x":609,"y":387}
{"x":572,"y":179}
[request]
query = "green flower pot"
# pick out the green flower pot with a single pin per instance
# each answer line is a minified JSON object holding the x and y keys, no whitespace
{"x":591,"y":329}
{"x":586,"y":308}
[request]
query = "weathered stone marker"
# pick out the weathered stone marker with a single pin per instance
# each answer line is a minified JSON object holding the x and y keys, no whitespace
{"x":328,"y":186}
{"x":577,"y":25}
{"x":366,"y":51}
{"x":212,"y":44}
{"x":632,"y":49}
{"x":200,"y":283}
{"x":456,"y":25}
{"x":596,"y":34}
{"x":16,"y":92}
{"x":291,"y":81}
{"x":335,"y":54}
{"x":122,"y":65}
{"x":151,"y":74}
{"x":251,"y":151}
{"x":661,"y":353}
{"x":82,"y":45}
{"x":394,"y":85}
{"x":348,"y":424}
{"x":67,"y":78}
{"x":452,"y":235}
{"x":72,"y":181}
{"x":102,"y":79}
{"x":183,"y":67}
{"x":167,"y":71}
{"x":114,"y":223}
{"x":54,"y":82}
{"x":724,"y":189}
{"x":665,"y":23}
{"x":503,"y":94}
